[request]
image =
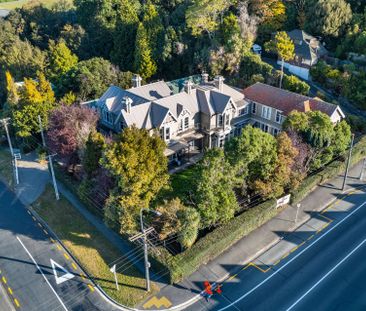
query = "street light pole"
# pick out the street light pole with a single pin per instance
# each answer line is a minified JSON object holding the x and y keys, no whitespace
{"x":348,"y":163}
{"x":297,"y":212}
{"x":5,"y":123}
{"x":146,"y":255}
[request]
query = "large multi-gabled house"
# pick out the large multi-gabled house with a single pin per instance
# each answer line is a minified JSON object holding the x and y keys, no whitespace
{"x":201,"y":115}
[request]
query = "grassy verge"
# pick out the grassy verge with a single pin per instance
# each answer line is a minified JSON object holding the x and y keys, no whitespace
{"x":11,"y":5}
{"x":91,"y":248}
{"x":6,"y":172}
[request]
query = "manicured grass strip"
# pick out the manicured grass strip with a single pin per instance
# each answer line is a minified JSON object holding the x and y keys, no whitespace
{"x":91,"y":248}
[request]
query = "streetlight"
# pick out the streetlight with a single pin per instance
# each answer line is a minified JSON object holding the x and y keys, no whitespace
{"x":146,"y":255}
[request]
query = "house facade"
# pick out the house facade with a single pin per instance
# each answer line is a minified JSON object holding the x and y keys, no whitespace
{"x":308,"y":51}
{"x":202,"y":115}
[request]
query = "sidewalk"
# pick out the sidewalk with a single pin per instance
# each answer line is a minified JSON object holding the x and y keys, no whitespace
{"x":256,"y":243}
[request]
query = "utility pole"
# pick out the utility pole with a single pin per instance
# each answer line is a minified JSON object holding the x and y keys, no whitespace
{"x":17,"y":157}
{"x":53,"y":177}
{"x":41,"y":128}
{"x":348,"y":163}
{"x":113,"y":270}
{"x":5,"y":123}
{"x":143,"y":236}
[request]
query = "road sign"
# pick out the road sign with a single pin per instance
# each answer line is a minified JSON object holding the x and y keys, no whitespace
{"x":63,"y":278}
{"x":284,"y":200}
{"x":113,"y":269}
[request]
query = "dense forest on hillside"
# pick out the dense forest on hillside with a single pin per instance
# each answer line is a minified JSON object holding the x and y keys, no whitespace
{"x":84,"y":48}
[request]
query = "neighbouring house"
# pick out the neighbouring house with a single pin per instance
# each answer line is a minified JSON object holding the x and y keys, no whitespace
{"x":270,"y":105}
{"x":308,"y":51}
{"x":203,"y":114}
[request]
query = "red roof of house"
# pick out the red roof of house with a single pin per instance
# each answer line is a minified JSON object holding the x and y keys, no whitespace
{"x":285,"y":101}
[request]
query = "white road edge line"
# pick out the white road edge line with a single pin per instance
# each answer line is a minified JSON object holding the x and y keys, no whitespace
{"x":292,"y":259}
{"x":35,"y":263}
{"x":326,"y":275}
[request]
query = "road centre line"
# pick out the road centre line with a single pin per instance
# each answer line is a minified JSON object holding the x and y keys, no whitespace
{"x":39,"y":269}
{"x":326,"y":275}
{"x":293,"y":258}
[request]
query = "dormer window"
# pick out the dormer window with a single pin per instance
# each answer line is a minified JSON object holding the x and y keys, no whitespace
{"x":186,"y":123}
{"x":227,"y":119}
{"x":107,"y":116}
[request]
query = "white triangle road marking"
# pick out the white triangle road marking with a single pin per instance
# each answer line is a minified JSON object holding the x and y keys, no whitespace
{"x":60,"y":279}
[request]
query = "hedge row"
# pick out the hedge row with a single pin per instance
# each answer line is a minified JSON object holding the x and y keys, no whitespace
{"x":330,"y":171}
{"x":217,"y":241}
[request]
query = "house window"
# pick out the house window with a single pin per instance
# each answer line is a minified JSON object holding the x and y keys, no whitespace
{"x":220,"y":120}
{"x":227,"y":119}
{"x":161,"y":132}
{"x":275,"y":131}
{"x":278,"y":116}
{"x":107,"y":116}
{"x":243,"y":111}
{"x":167,"y":133}
{"x":186,"y":122}
{"x":264,"y":127}
{"x":266,"y":112}
{"x":180,"y":128}
{"x":254,"y":108}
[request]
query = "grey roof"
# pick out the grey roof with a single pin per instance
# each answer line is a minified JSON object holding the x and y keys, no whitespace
{"x":152,"y":91}
{"x":306,"y":46}
{"x":138,"y":116}
{"x":219,"y":101}
{"x":112,"y":98}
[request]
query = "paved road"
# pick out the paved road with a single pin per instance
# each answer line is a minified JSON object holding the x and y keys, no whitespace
{"x":27,"y":272}
{"x":327,"y":270}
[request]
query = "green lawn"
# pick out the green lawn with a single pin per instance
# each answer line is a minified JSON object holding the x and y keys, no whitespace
{"x":6,"y":171}
{"x":19,"y":3}
{"x":91,"y":248}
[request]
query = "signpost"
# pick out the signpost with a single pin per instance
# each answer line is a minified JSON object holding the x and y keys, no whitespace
{"x":113,"y":270}
{"x":283,"y":201}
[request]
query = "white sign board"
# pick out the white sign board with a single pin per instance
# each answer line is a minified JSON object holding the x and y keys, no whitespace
{"x":283,"y":201}
{"x":63,"y":278}
{"x":113,"y":269}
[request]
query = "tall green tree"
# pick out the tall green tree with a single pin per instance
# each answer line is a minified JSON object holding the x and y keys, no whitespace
{"x":124,"y":37}
{"x":284,"y":47}
{"x":61,"y":60}
{"x":328,"y":17}
{"x":216,"y":200}
{"x":204,"y":16}
{"x":137,"y":161}
{"x":36,"y":98}
{"x":144,"y":62}
{"x":94,"y":148}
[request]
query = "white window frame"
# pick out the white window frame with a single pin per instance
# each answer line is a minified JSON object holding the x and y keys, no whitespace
{"x":162,"y":133}
{"x":167,"y":133}
{"x":266,"y":112}
{"x":279,"y":115}
{"x":220,"y":120}
{"x":227,"y":119}
{"x":180,"y":126}
{"x":264,"y":127}
{"x":186,"y":123}
{"x":243,"y":111}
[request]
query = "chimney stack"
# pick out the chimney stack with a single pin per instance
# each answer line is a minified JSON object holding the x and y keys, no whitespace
{"x":136,"y":81}
{"x":219,"y":83}
{"x":127,"y":104}
{"x":204,"y":77}
{"x":188,"y":85}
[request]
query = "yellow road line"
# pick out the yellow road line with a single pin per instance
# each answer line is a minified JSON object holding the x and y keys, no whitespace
{"x":39,"y":225}
{"x":10,"y":291}
{"x":52,"y":240}
{"x":284,"y":256}
{"x":66,"y":256}
{"x":83,"y":276}
{"x":277,"y":262}
{"x":232,"y":277}
{"x":4,"y":279}
{"x":301,"y":244}
{"x":45,"y":231}
{"x":17,"y":302}
{"x":74,"y":266}
{"x":34,"y":218}
{"x":247,"y":266}
{"x":259,"y":268}
{"x":91,"y":287}
{"x":59,"y":247}
{"x":294,"y":249}
{"x":310,"y":237}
